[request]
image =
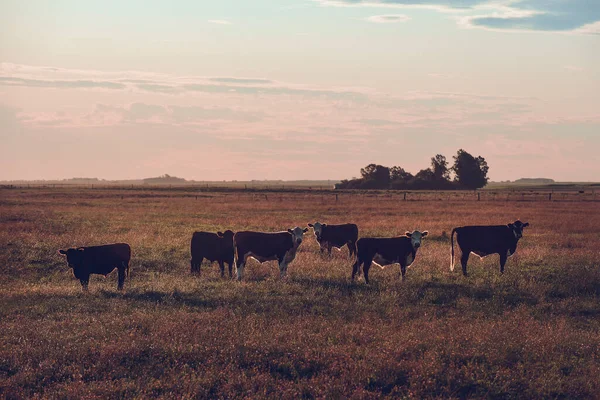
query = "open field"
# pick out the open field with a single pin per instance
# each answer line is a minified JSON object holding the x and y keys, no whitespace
{"x":533,"y":332}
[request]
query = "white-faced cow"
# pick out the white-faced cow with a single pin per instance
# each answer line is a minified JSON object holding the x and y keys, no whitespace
{"x":214,"y":247}
{"x":387,"y":251}
{"x":101,"y":260}
{"x":337,"y":236}
{"x":262,"y":246}
{"x":486,"y":240}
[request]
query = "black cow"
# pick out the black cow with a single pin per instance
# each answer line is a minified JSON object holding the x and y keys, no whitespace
{"x":214,"y":247}
{"x":386,"y":251}
{"x":486,"y":240}
{"x":337,"y":236}
{"x":101,"y":260}
{"x":261,"y":246}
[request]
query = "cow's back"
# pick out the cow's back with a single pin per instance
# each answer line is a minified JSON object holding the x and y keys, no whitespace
{"x":99,"y":258}
{"x":388,"y":247}
{"x":489,"y":239}
{"x":340,"y":233}
{"x":262,"y":243}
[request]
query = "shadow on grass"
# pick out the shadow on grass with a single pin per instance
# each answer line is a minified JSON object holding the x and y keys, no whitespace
{"x":447,"y":294}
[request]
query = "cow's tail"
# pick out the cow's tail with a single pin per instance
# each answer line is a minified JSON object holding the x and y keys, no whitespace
{"x":452,"y":245}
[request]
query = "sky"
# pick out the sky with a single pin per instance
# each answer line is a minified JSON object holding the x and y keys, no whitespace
{"x":297,"y":89}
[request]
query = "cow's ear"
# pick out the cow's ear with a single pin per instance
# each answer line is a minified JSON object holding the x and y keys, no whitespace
{"x":220,"y":234}
{"x":310,"y":225}
{"x":407,"y":233}
{"x":526,"y":224}
{"x":323,"y":225}
{"x":424,"y":233}
{"x":290,"y":231}
{"x":63,"y":252}
{"x":305,"y":230}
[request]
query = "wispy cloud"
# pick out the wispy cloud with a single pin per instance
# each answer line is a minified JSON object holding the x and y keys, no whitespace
{"x":573,"y":16}
{"x":388,"y":19}
{"x":219,"y":21}
{"x":45,"y":77}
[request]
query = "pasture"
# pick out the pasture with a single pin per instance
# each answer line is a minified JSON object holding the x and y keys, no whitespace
{"x":532,"y":333}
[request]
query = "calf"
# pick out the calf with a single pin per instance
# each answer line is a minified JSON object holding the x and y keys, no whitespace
{"x":486,"y":240}
{"x":214,"y":247}
{"x":386,"y":251}
{"x":101,"y":260}
{"x":337,"y":236}
{"x":261,"y":246}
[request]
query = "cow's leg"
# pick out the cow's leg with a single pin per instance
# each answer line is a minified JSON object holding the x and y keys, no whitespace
{"x":351,"y":248}
{"x":230,"y":264}
{"x":366,"y":267}
{"x":121,"y":278}
{"x":197,"y":263}
{"x":222,"y":267}
{"x":464,"y":258}
{"x":403,"y":271}
{"x":84,"y":283}
{"x":240,"y":262}
{"x":503,"y":258}
{"x":282,"y":266}
{"x":356,"y":268}
{"x":329,"y":246}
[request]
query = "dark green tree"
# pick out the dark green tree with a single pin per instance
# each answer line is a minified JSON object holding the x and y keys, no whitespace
{"x":400,"y":174}
{"x":440,"y":169}
{"x":375,"y":176}
{"x":471,"y":172}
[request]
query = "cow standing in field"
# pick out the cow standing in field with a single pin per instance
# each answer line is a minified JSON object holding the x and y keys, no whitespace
{"x":262,"y":246}
{"x":214,"y":247}
{"x":387,"y":251}
{"x":337,"y":236}
{"x":101,"y":260}
{"x":486,"y":240}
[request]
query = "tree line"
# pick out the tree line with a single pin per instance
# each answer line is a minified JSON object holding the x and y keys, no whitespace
{"x":467,"y":172}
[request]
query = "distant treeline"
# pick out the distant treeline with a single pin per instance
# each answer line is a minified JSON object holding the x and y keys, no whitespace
{"x":467,"y":172}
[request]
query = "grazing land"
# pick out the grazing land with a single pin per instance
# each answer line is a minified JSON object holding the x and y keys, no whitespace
{"x":532,"y":333}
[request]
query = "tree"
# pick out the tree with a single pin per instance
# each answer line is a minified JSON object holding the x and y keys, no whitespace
{"x":439,"y":166}
{"x":376,"y":176}
{"x":399,"y":174}
{"x":471,"y":172}
{"x":426,"y":175}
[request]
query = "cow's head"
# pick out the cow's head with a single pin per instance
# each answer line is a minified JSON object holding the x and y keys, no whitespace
{"x":228,"y":234}
{"x":416,"y":237}
{"x":318,"y":229}
{"x":74,"y":257}
{"x":517,"y":228}
{"x":297,"y":234}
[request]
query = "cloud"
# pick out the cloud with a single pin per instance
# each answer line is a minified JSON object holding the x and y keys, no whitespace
{"x":387,"y":19}
{"x":219,"y":21}
{"x":75,"y":84}
{"x":573,"y":16}
{"x":45,"y":77}
{"x":241,"y":80}
{"x":573,"y":68}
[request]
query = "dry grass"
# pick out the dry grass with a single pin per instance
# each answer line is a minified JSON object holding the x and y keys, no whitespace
{"x":534,"y":332}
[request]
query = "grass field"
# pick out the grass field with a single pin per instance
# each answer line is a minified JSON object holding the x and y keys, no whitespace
{"x":532,"y":333}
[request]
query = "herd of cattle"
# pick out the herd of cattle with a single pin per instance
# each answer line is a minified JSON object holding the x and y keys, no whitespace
{"x":227,"y":247}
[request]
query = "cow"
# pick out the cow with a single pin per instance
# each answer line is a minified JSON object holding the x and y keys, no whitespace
{"x":262,"y":246}
{"x":485,"y":240}
{"x":387,"y":251}
{"x":214,"y":247}
{"x":101,"y":260}
{"x":337,"y":236}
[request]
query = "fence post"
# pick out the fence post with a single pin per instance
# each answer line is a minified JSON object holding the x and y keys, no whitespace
{"x":478,"y":196}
